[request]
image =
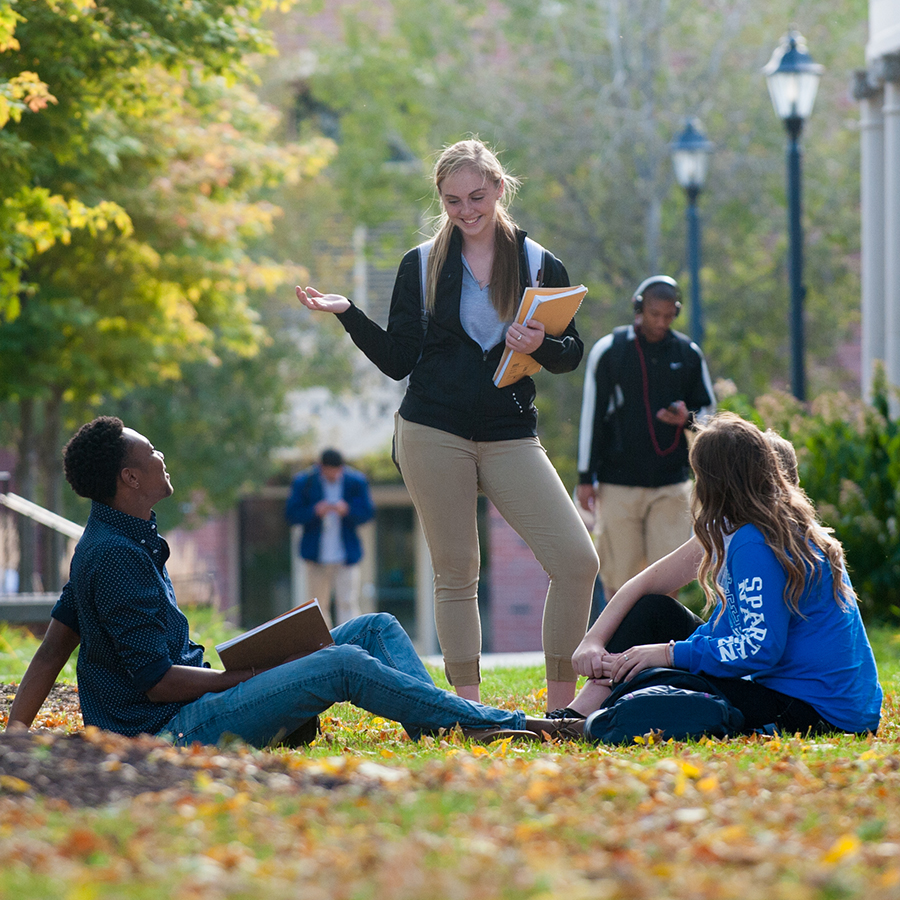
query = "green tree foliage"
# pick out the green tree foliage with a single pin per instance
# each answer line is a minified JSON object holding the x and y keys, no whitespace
{"x":66,"y":61}
{"x":213,"y":457}
{"x":583,"y":97}
{"x":138,"y":202}
{"x":161,"y":162}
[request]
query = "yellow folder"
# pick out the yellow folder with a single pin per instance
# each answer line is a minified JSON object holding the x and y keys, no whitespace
{"x":555,"y":307}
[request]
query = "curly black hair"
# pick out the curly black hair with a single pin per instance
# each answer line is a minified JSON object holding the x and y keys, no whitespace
{"x":93,"y":458}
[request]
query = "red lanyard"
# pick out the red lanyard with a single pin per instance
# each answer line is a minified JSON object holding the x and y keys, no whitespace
{"x":650,"y":416}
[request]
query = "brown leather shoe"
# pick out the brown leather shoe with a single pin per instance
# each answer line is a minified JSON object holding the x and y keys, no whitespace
{"x":557,"y":729}
{"x":489,"y":735}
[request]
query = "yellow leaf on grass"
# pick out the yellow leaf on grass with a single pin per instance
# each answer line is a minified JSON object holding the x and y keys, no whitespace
{"x":203,"y":781}
{"x":843,"y":846}
{"x":526,"y":830}
{"x":731,"y":833}
{"x":329,"y":765}
{"x":501,"y":748}
{"x":16,"y":785}
{"x":539,"y":789}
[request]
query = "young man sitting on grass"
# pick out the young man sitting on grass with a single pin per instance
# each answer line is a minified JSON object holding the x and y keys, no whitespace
{"x":139,"y":672}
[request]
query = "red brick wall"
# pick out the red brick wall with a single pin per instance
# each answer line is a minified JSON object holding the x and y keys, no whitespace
{"x":518,"y":589}
{"x":203,"y":565}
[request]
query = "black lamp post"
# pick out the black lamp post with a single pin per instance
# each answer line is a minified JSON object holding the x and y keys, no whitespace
{"x":690,"y":156}
{"x":793,"y":80}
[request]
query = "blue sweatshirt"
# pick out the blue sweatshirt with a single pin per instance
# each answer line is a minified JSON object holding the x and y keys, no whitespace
{"x":823,"y":657}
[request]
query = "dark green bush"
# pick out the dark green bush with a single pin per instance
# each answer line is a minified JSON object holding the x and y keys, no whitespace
{"x":849,"y":456}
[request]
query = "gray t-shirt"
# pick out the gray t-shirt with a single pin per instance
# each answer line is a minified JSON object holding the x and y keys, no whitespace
{"x":331,"y":544}
{"x":476,"y":313}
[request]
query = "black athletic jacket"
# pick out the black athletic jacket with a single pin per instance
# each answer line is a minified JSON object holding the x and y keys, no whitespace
{"x":450,"y":384}
{"x":614,"y":443}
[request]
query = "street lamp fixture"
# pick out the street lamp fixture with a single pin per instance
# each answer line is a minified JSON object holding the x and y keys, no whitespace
{"x":690,"y":159}
{"x":793,"y":79}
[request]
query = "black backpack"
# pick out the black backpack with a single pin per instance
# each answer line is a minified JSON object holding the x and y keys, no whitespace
{"x":670,"y":703}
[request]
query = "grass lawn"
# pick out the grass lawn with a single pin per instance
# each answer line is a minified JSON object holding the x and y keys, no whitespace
{"x":365,"y":814}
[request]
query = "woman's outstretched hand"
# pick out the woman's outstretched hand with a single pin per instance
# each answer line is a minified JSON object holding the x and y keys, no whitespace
{"x":313,"y":299}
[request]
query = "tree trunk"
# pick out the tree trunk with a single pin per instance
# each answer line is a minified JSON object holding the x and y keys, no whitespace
{"x":54,"y":546}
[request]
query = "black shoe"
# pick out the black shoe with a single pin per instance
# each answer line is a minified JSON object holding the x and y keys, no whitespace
{"x":305,"y":733}
{"x":565,"y":712}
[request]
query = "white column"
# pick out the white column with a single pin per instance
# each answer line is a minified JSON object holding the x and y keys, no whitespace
{"x":360,"y":272}
{"x":892,"y":229}
{"x":872,"y":204}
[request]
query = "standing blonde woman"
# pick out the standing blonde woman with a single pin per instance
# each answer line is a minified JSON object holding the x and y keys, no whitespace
{"x":456,"y":433}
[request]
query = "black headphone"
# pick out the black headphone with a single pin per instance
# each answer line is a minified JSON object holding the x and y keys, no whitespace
{"x":637,"y":299}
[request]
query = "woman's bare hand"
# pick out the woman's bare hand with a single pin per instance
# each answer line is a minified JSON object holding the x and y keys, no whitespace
{"x":315,"y":300}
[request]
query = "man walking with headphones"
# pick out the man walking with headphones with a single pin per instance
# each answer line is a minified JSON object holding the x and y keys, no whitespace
{"x":645,"y":385}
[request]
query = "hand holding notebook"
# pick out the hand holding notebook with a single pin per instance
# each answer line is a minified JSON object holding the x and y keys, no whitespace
{"x":554,"y":308}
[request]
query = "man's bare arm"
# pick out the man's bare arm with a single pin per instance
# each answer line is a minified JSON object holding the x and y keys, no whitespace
{"x":58,"y":645}
{"x":186,"y":683}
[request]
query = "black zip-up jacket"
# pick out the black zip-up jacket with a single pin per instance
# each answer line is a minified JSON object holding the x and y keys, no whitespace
{"x":618,"y":409}
{"x":450,"y":385}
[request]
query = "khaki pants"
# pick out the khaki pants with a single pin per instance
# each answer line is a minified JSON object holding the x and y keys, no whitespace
{"x":322,"y":579}
{"x":637,"y":526}
{"x":443,"y":474}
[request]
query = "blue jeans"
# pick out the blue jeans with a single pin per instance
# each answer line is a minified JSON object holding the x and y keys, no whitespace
{"x":372,"y":664}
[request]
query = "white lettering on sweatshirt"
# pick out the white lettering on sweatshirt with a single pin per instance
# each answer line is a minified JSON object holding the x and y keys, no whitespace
{"x":752,"y":634}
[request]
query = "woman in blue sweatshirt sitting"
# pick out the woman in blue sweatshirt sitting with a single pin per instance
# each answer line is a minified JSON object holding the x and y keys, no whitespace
{"x":785,"y":642}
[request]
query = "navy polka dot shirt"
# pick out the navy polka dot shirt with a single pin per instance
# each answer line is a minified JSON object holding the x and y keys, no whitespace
{"x":121,"y":602}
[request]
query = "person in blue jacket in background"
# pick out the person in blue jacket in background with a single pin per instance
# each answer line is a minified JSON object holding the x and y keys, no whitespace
{"x":330,"y":501}
{"x":785,"y":642}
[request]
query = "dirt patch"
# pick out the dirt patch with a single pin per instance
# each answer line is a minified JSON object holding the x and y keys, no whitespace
{"x":90,"y":767}
{"x":85,"y":769}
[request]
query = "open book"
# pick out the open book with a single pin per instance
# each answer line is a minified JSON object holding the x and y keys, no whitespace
{"x":555,"y":308}
{"x":298,"y":632}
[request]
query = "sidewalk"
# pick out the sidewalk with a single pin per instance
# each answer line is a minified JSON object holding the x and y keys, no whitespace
{"x":499,"y":660}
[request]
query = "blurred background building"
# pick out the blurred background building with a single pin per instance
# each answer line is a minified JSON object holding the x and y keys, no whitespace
{"x":877,"y":89}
